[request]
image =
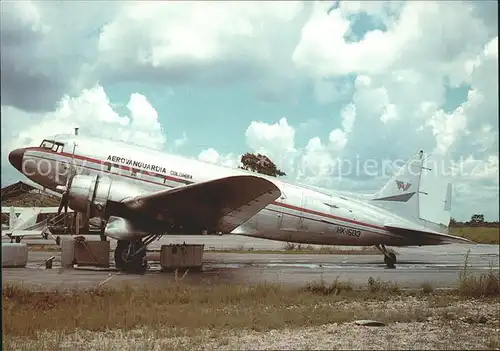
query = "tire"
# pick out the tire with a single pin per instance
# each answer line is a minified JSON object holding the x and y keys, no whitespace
{"x":137,"y":264}
{"x":121,"y":246}
{"x":390,"y":260}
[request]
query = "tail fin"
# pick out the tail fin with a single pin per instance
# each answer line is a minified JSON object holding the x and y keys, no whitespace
{"x":27,"y":218}
{"x":12,"y":218}
{"x":412,"y":196}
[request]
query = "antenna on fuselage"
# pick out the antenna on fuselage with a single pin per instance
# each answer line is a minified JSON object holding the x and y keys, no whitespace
{"x":76,"y":131}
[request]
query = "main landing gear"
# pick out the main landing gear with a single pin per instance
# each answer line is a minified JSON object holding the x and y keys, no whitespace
{"x":130,"y":255}
{"x":389,"y":257}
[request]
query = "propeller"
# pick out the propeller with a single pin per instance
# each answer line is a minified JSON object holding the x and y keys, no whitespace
{"x":64,"y":201}
{"x":69,"y":179}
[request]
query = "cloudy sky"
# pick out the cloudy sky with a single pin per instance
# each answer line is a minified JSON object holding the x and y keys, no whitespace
{"x":315,"y":86}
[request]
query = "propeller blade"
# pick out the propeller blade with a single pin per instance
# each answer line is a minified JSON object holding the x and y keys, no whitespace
{"x":63,"y":203}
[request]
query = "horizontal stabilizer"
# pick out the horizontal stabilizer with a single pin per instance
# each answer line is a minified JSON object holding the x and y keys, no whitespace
{"x":426,"y":236}
{"x":40,"y":226}
{"x":22,"y":233}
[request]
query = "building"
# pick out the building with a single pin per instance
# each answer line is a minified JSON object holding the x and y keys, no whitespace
{"x":22,"y":194}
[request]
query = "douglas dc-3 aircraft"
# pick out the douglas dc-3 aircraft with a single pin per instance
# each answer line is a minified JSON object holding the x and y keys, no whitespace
{"x":142,"y":194}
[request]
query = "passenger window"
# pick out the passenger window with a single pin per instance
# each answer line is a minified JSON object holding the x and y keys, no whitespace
{"x":58,"y":147}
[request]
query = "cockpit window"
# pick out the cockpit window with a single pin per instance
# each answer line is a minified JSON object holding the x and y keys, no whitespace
{"x":47,"y":144}
{"x":52,"y":145}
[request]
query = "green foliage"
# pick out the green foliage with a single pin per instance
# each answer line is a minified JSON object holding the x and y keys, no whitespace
{"x":477,"y":218}
{"x":260,"y":164}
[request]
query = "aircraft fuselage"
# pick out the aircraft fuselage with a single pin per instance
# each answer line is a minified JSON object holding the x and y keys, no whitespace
{"x":300,"y":215}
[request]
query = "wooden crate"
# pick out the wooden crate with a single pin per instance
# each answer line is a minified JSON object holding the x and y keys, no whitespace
{"x":183,"y":256}
{"x":67,"y":252}
{"x":92,"y":253}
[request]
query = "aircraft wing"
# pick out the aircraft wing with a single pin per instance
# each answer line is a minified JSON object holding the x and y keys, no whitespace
{"x":221,"y":204}
{"x":426,"y":235}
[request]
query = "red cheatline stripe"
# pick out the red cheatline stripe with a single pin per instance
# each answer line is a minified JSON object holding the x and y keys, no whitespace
{"x":125,"y":168}
{"x":183,"y":181}
{"x":292,"y":207}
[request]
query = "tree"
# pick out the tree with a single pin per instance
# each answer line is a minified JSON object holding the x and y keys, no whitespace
{"x":477,"y":219}
{"x":260,"y":164}
{"x":453,"y":222}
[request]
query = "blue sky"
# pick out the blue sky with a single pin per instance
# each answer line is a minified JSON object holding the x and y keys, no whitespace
{"x":307,"y":83}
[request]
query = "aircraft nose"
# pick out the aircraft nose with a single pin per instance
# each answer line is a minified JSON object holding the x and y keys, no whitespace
{"x":16,"y":159}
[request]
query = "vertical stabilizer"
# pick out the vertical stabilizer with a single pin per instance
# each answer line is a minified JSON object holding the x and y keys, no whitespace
{"x":447,"y":204}
{"x":12,"y":218}
{"x":412,"y":195}
{"x":399,"y":194}
{"x":27,"y":218}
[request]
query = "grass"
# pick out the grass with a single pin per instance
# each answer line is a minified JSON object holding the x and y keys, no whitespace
{"x":484,"y":285}
{"x":179,"y":308}
{"x":480,"y":235}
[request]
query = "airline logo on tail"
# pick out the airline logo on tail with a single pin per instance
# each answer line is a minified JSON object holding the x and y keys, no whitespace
{"x":402,"y":185}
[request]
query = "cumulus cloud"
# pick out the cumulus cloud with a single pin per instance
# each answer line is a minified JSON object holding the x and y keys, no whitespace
{"x":47,"y":51}
{"x":210,"y":155}
{"x":93,"y":113}
{"x":276,"y":140}
{"x":203,"y":41}
{"x":423,"y":34}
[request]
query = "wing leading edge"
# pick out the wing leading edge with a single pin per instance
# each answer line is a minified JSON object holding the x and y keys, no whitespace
{"x":220,"y":205}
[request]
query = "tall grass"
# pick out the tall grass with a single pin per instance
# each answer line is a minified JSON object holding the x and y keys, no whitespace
{"x":180,"y":307}
{"x":480,"y":235}
{"x":482,"y":285}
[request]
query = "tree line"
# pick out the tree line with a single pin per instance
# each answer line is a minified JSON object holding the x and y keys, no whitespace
{"x":476,"y":220}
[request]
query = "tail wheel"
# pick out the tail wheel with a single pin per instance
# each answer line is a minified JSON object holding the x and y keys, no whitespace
{"x":390,"y":259}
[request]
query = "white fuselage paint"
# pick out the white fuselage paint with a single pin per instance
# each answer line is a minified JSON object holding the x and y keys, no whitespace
{"x":300,"y":215}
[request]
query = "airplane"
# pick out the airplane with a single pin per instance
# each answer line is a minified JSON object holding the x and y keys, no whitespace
{"x":141,"y":194}
{"x":25,"y":225}
{"x":94,"y":223}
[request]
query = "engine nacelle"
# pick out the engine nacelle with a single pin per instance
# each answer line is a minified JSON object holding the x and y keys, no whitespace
{"x":91,"y":194}
{"x":122,"y":229}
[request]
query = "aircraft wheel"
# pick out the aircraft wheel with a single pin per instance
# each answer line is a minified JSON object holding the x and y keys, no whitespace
{"x":121,"y":247}
{"x":390,"y":260}
{"x":133,"y":264}
{"x":18,"y":239}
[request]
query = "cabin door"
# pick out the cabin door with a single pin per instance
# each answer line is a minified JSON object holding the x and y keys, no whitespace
{"x":291,"y":209}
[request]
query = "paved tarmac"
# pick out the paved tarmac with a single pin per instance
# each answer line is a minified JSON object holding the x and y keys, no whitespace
{"x":438,"y":265}
{"x":211,"y":242}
